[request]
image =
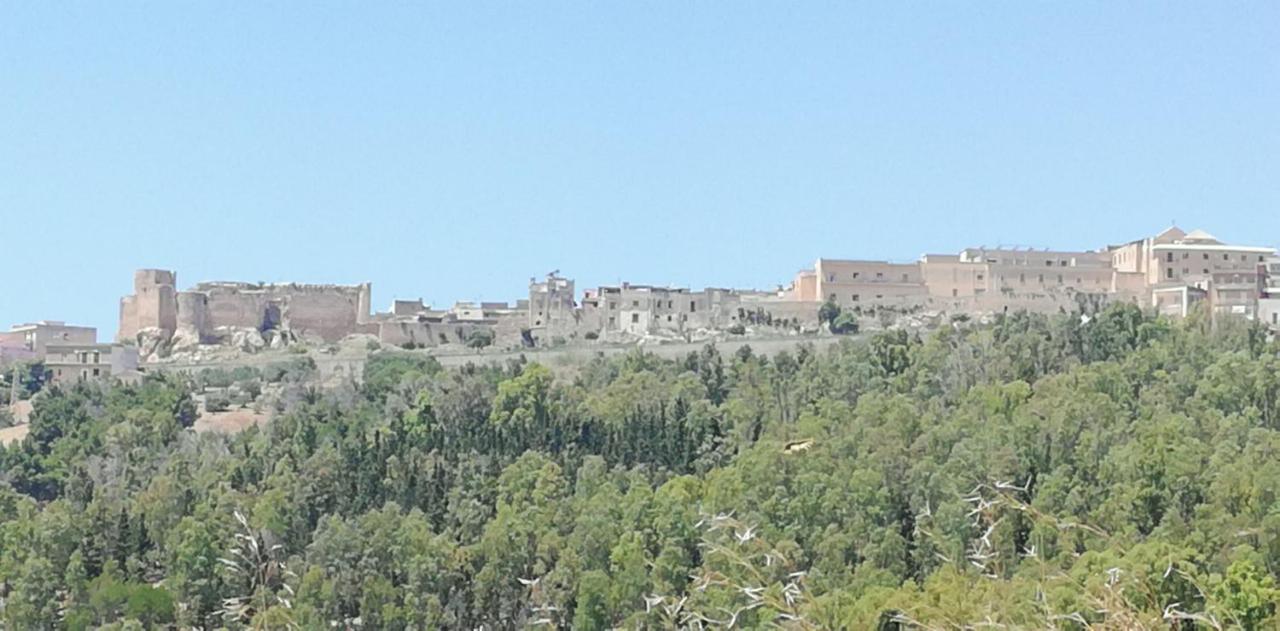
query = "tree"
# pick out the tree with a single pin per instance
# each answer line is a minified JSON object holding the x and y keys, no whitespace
{"x":828,"y":312}
{"x":846,"y":323}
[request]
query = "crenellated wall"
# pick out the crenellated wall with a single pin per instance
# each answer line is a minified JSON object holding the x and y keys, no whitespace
{"x":323,"y":312}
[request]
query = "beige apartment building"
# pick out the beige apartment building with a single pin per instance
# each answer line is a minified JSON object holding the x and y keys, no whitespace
{"x":973,"y":273}
{"x":36,"y":336}
{"x":852,"y":283}
{"x":1171,"y":271}
{"x":79,"y":362}
{"x":1174,"y":257}
{"x":1181,"y":269}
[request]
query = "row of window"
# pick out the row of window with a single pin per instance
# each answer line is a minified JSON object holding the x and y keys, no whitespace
{"x":831,"y":278}
{"x":635,"y":304}
{"x":1244,"y":258}
{"x":96,"y":373}
{"x":635,"y":317}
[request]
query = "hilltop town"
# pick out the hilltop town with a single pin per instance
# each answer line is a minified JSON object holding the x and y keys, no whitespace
{"x":1173,"y":272}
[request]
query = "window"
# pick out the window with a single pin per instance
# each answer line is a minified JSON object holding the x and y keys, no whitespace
{"x":96,"y":372}
{"x":613,"y":320}
{"x":1186,"y":255}
{"x":1048,"y":263}
{"x":831,"y":278}
{"x":955,"y":292}
{"x":879,"y":296}
{"x":1206,"y":270}
{"x":904,"y":278}
{"x":635,"y":318}
{"x":693,"y":305}
{"x":1169,"y":257}
{"x":1185,"y":271}
{"x":635,"y":303}
{"x":1226,"y":257}
{"x":1206,"y":256}
{"x":668,"y":317}
{"x":854,"y":297}
{"x":855,"y":276}
{"x":1041,"y":279}
{"x":879,"y":275}
{"x":1168,"y":273}
{"x":97,"y":357}
{"x":979,"y":276}
{"x":1059,"y":279}
{"x":612,"y":305}
{"x":1022,"y":278}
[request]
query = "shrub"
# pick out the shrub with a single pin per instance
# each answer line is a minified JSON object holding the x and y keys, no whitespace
{"x":245,"y":373}
{"x":295,"y":370}
{"x":738,"y":329}
{"x":251,"y":387}
{"x":480,"y":338}
{"x":845,"y":324}
{"x":217,"y":402}
{"x":214,"y":378}
{"x":592,"y":335}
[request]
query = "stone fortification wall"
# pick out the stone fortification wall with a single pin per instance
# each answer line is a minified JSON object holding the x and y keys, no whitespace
{"x":1036,"y":302}
{"x":128,"y":329}
{"x":193,"y":315}
{"x":804,"y":312}
{"x":326,"y":312}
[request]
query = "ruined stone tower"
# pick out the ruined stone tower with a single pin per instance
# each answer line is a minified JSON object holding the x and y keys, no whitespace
{"x":154,"y":304}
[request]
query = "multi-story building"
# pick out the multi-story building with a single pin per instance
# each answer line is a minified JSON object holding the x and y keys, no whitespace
{"x":1180,"y":269}
{"x":1170,"y":271}
{"x":35,"y":336}
{"x":79,"y":362}
{"x":851,"y":283}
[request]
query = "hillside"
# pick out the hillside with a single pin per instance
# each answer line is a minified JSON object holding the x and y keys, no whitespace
{"x":1117,"y":471}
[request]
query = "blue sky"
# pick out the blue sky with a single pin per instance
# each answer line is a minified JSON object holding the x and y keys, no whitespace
{"x":451,"y":152}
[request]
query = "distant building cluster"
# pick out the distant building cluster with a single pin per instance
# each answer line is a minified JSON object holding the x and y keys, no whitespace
{"x":69,"y":352}
{"x":1173,"y":272}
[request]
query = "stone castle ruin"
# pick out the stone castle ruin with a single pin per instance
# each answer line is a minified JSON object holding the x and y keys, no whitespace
{"x":158,"y":316}
{"x":1172,"y":272}
{"x":161,"y":320}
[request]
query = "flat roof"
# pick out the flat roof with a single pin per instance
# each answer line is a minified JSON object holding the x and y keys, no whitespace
{"x":1213,"y":247}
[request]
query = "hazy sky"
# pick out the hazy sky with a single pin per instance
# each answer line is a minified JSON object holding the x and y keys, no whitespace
{"x":451,"y":152}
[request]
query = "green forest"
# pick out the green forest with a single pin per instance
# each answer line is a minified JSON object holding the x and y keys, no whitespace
{"x":1110,"y":471}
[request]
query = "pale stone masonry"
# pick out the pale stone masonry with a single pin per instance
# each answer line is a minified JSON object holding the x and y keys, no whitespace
{"x":81,"y":362}
{"x":1170,"y":272}
{"x":69,"y":352}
